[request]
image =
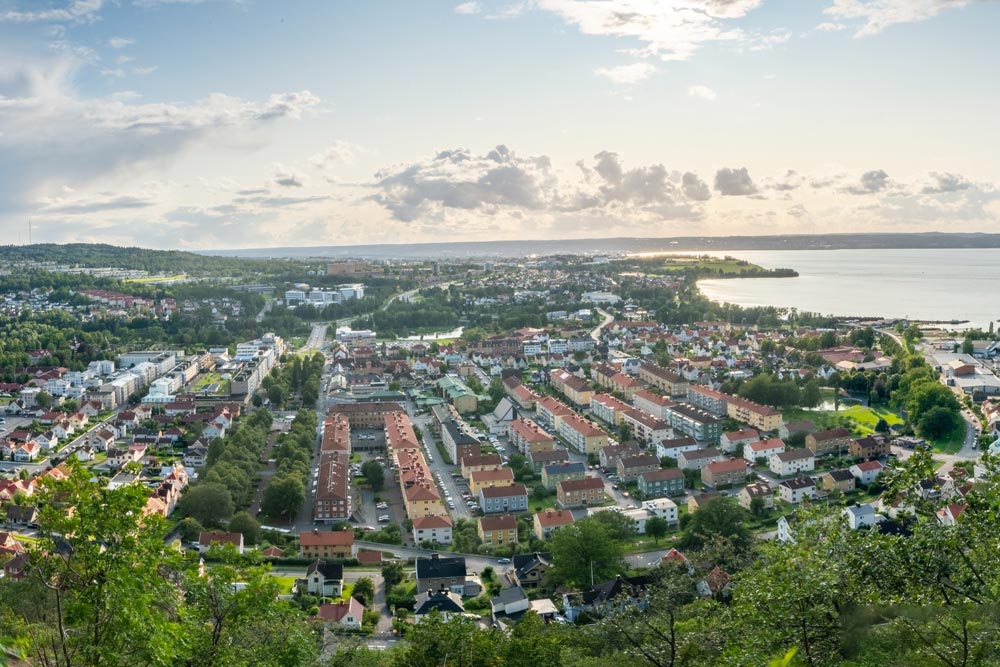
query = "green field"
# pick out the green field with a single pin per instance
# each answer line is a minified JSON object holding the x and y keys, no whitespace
{"x":158,"y":279}
{"x":860,"y":419}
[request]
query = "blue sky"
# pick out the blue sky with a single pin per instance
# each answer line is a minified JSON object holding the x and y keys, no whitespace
{"x":249,"y":123}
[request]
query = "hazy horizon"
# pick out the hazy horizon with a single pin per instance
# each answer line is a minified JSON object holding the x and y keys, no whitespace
{"x":235,"y":124}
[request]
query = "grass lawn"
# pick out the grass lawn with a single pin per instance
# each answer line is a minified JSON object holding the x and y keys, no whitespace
{"x":285,"y":584}
{"x":868,"y":417}
{"x":950,"y":445}
{"x":860,"y":419}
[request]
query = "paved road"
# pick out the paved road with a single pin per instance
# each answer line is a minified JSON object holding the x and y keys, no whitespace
{"x":607,"y":319}
{"x":316,"y":338}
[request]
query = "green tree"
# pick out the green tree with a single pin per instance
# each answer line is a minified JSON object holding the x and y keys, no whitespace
{"x":721,"y":518}
{"x":392,"y":573}
{"x":586,"y":549}
{"x":208,"y":504}
{"x":657,"y":527}
{"x":43,"y":399}
{"x":283,"y":496}
{"x":938,"y":422}
{"x":375,"y":474}
{"x":810,"y":393}
{"x":276,"y":394}
{"x":189,"y":529}
{"x":882,"y":426}
{"x":247,"y":526}
{"x":364,"y":591}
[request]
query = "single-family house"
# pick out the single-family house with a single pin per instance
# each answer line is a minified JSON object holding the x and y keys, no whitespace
{"x":343,"y":613}
{"x":756,"y":490}
{"x":838,"y":480}
{"x":323,"y":578}
{"x":796,"y":490}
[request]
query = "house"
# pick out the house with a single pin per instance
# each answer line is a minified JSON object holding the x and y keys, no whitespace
{"x":791,"y":429}
{"x":608,"y":456}
{"x":539,"y":459}
{"x":441,"y":572}
{"x":792,"y":462}
{"x":756,"y":490}
{"x":511,"y":604}
{"x":482,"y":479}
{"x":715,"y":584}
{"x":831,"y":441}
{"x":207,"y":539}
{"x":327,"y":544}
{"x":949,"y":514}
{"x":697,"y":500}
{"x":861,"y":516}
{"x":27,"y":452}
{"x":528,"y":570}
{"x":471,"y":463}
{"x":447,"y":603}
{"x":696,"y":459}
{"x":513,"y":498}
{"x":324,"y":579}
{"x":272,"y":552}
{"x":101,"y":439}
{"x":763,"y":450}
{"x":343,"y":613}
{"x":194,"y":456}
{"x":16,"y":567}
{"x":867,"y":471}
{"x":630,"y":468}
{"x":840,"y":480}
{"x":432,"y":528}
{"x":870,"y":447}
{"x":796,"y":490}
{"x":22,"y":516}
{"x":554,"y":473}
{"x":721,"y":473}
{"x":662,"y":482}
{"x":496,"y":531}
{"x":580,"y":492}
{"x":672,"y":447}
{"x":731,"y":441}
{"x":607,"y":597}
{"x":549,"y":520}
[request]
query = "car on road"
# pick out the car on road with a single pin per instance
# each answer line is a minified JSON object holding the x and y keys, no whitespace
{"x":503,"y":561}
{"x":385,"y":518}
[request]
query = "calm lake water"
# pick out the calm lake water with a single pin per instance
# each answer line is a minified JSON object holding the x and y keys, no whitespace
{"x":950,"y":284}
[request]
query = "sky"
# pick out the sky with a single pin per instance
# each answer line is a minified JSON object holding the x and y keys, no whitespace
{"x":211,"y":124}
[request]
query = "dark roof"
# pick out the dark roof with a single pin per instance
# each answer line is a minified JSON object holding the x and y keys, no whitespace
{"x":327,"y":569}
{"x":609,"y":590}
{"x":663,"y":475}
{"x":798,"y":483}
{"x":507,"y":596}
{"x":840,"y":475}
{"x":525,"y":563}
{"x":443,"y":601}
{"x":437,"y":567}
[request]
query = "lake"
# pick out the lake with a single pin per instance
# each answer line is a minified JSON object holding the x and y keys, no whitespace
{"x":950,"y":284}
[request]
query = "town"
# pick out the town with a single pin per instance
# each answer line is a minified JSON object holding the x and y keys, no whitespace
{"x":566,"y":436}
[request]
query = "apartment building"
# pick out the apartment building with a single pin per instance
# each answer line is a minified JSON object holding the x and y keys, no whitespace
{"x":667,"y":381}
{"x":527,"y":436}
{"x":695,"y":422}
{"x":652,"y":403}
{"x":580,"y":492}
{"x":761,"y":417}
{"x":581,"y":434}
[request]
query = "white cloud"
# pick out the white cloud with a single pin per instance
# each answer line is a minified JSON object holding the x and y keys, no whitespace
{"x":74,"y":11}
{"x":468,"y":8}
{"x":827,"y":26}
{"x":669,"y":29}
{"x":877,"y":15}
{"x":702,"y":92}
{"x":627,"y":74}
{"x":48,"y":134}
{"x":120,"y":42}
{"x":501,"y":184}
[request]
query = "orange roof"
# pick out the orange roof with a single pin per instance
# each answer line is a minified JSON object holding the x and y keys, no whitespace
{"x":434,"y":521}
{"x":327,"y":538}
{"x":551,"y":517}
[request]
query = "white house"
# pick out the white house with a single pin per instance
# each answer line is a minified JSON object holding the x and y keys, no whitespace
{"x":763,"y":449}
{"x":796,"y":490}
{"x":867,"y":472}
{"x":673,"y":448}
{"x":861,"y":516}
{"x":792,"y":462}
